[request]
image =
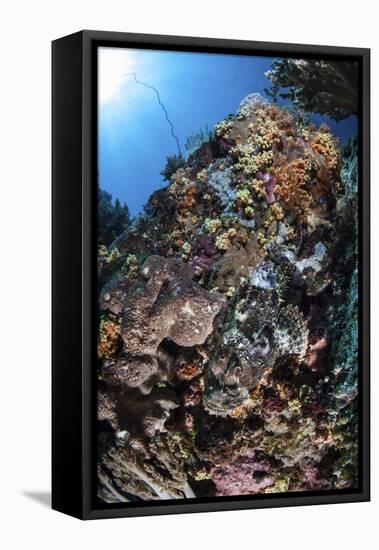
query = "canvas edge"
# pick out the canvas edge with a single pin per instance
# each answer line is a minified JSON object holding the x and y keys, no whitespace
{"x":67,"y":129}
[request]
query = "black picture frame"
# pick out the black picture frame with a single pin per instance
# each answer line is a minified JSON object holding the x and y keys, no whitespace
{"x":74,"y":150}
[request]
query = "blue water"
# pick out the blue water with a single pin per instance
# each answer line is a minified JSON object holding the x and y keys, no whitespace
{"x":196,"y":89}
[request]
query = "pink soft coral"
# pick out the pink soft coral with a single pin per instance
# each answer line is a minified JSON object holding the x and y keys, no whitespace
{"x":248,"y":474}
{"x":269,"y":185}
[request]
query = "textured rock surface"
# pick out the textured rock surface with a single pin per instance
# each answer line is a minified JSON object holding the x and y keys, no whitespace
{"x":163,"y":303}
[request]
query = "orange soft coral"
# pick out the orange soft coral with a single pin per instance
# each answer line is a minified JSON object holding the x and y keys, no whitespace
{"x":301,"y":182}
{"x":108,"y":338}
{"x":325,"y":145}
{"x":291,"y":187}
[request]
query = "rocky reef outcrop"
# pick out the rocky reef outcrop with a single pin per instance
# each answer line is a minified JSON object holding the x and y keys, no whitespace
{"x":163,"y":303}
{"x":228,"y":321}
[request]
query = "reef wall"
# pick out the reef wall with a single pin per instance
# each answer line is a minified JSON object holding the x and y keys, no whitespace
{"x":227,"y":350}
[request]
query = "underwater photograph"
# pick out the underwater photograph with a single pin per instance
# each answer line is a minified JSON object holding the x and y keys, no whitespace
{"x":227,"y":275}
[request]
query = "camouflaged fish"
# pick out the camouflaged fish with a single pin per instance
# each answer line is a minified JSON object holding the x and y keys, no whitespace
{"x":261,"y":331}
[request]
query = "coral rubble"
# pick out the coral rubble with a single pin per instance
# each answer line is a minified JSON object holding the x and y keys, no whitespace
{"x":227,"y":341}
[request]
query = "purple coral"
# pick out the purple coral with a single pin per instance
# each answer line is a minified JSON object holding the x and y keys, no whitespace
{"x":249,"y":474}
{"x":269,"y":185}
{"x":224,"y":145}
{"x":311,"y":480}
{"x":204,"y":252}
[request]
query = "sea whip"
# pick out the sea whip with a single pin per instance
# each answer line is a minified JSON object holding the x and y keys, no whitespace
{"x":134,"y":75}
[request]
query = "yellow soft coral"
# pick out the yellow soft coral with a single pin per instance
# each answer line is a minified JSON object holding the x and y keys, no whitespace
{"x":250,"y":160}
{"x":223,"y":242}
{"x":104,"y":256}
{"x":243,"y":197}
{"x":277,"y":211}
{"x":212,"y":225}
{"x":223,"y":128}
{"x":132,"y":266}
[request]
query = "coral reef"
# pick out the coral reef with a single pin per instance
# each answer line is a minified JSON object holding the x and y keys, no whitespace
{"x":228,"y":316}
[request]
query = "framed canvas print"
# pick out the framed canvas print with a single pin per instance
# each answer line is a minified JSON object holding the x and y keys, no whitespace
{"x":210,"y":274}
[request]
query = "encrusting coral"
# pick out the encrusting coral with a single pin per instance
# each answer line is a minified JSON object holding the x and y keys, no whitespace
{"x":227,"y":355}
